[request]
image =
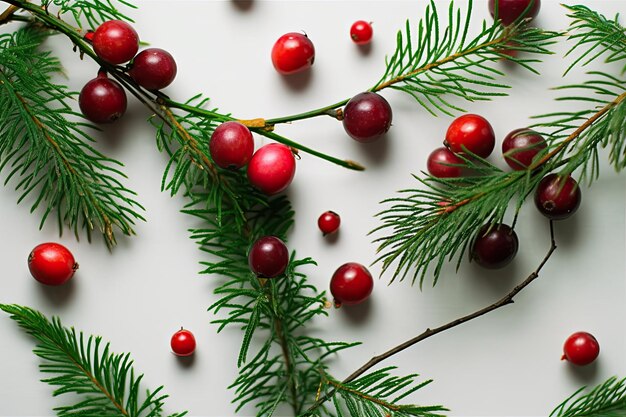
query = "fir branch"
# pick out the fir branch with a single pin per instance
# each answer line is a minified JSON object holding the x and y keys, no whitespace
{"x":607,"y":399}
{"x":93,"y":12}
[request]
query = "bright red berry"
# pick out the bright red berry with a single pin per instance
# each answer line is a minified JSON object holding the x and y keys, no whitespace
{"x":351,"y":284}
{"x":268,"y":257}
{"x":440,"y":163}
{"x":557,"y":197}
{"x":293,"y":52}
{"x":102,"y":100}
{"x":470,"y":133}
{"x":115,"y":42}
{"x":361,"y":32}
{"x":51,"y":264}
{"x":183,"y":343}
{"x":367,"y":117}
{"x":581,"y":348}
{"x":521,"y":146}
{"x":329,"y":222}
{"x":494,"y":246}
{"x":511,"y":10}
{"x":231,"y":145}
{"x":153,"y":69}
{"x":272,"y":168}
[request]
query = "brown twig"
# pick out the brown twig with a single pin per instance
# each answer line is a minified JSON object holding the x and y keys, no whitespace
{"x":5,"y":17}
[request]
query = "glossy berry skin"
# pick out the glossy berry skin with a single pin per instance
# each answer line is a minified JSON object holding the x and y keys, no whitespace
{"x":437,"y":161}
{"x":51,"y":264}
{"x":361,"y":32}
{"x":102,"y":100}
{"x":115,"y":42}
{"x":367,"y":117}
{"x":510,"y":10}
{"x":183,"y":343}
{"x":556,"y":197}
{"x":272,"y":168}
{"x":351,"y":284}
{"x":329,"y":222}
{"x":231,"y":145}
{"x":153,"y":69}
{"x":268,"y":257}
{"x":472,"y":133}
{"x":581,"y":348}
{"x":521,"y":146}
{"x":495,"y":248}
{"x":292,"y":53}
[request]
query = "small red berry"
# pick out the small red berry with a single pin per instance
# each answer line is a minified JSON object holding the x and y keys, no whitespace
{"x":521,"y":146}
{"x":183,"y":343}
{"x":557,"y":197}
{"x":494,"y":246}
{"x":351,"y":284}
{"x":51,"y":264}
{"x":102,"y":100}
{"x":89,"y":36}
{"x":511,"y":10}
{"x":268,"y":257}
{"x":231,"y":145}
{"x":292,"y":53}
{"x":440,"y":163}
{"x":581,"y":348}
{"x":470,"y":133}
{"x":115,"y":42}
{"x":361,"y":32}
{"x":329,"y":222}
{"x":272,"y":168}
{"x":153,"y":69}
{"x":367,"y":117}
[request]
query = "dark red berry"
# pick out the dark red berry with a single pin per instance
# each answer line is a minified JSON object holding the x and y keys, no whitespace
{"x":268,"y":257}
{"x":494,"y":246}
{"x":511,"y":10}
{"x":51,"y":264}
{"x":293,"y":52}
{"x":183,"y":343}
{"x":440,"y":161}
{"x":361,"y":32}
{"x":153,"y":69}
{"x":329,"y":222}
{"x":102,"y":100}
{"x":470,"y":133}
{"x":557,"y":197}
{"x":581,"y":348}
{"x":521,"y":146}
{"x":272,"y":168}
{"x":231,"y":145}
{"x":351,"y":284}
{"x":115,"y":42}
{"x":367,"y":117}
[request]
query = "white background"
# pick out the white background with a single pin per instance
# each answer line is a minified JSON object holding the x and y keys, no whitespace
{"x":506,"y":363}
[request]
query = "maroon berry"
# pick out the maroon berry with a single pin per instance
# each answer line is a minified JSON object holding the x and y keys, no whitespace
{"x":351,"y":284}
{"x":581,"y":348}
{"x":494,"y":246}
{"x":153,"y":69}
{"x":183,"y":343}
{"x":231,"y":145}
{"x":511,"y":10}
{"x":115,"y":42}
{"x":102,"y":100}
{"x":272,"y":168}
{"x":361,"y":32}
{"x":440,"y":163}
{"x":367,"y":117}
{"x":521,"y":146}
{"x":268,"y":257}
{"x":470,"y":133}
{"x":557,"y":197}
{"x":329,"y":222}
{"x":51,"y":264}
{"x":292,"y":53}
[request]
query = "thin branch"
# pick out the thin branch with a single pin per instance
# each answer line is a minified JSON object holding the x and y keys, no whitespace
{"x":6,"y":16}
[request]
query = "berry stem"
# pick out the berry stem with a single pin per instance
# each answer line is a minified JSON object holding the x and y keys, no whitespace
{"x":6,"y":16}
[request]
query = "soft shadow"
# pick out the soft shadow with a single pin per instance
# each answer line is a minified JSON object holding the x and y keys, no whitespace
{"x":584,"y":374}
{"x":185,"y":361}
{"x":358,"y":314}
{"x":332,"y":238}
{"x":298,"y":81}
{"x":243,"y":5}
{"x":567,"y":231}
{"x":365,"y":50}
{"x":375,"y":153}
{"x":58,"y":296}
{"x":495,"y":281}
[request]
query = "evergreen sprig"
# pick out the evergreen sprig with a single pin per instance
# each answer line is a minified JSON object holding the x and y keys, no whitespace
{"x":607,"y":399}
{"x":91,"y":12}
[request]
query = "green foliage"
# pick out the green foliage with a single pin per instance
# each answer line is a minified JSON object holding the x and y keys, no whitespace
{"x":94,"y":12}
{"x":605,"y":400}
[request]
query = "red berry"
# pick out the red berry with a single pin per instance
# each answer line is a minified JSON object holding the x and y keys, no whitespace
{"x":351,"y":284}
{"x":329,"y":222}
{"x":115,"y":42}
{"x":183,"y":343}
{"x":581,"y":348}
{"x":51,"y":264}
{"x":510,"y":10}
{"x":89,"y":36}
{"x":272,"y":168}
{"x":231,"y":145}
{"x":268,"y":257}
{"x":361,"y":32}
{"x":440,"y":161}
{"x":102,"y":100}
{"x":521,"y":146}
{"x":367,"y":117}
{"x":556,"y":197}
{"x":293,"y":52}
{"x":153,"y":69}
{"x":470,"y":133}
{"x":494,"y":246}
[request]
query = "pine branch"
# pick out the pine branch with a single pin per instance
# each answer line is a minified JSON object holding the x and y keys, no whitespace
{"x":607,"y":399}
{"x":92,"y":12}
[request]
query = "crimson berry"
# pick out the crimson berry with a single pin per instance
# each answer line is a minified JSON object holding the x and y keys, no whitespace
{"x":521,"y":146}
{"x":231,"y":145}
{"x":440,"y":163}
{"x":102,"y":100}
{"x":293,"y":52}
{"x":268,"y":257}
{"x":494,"y":246}
{"x":115,"y":42}
{"x":361,"y":32}
{"x":51,"y":264}
{"x":272,"y":168}
{"x":470,"y":133}
{"x":581,"y":348}
{"x":183,"y":343}
{"x":367,"y":117}
{"x":329,"y":222}
{"x":351,"y":284}
{"x":557,"y":197}
{"x":153,"y":69}
{"x":511,"y":10}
